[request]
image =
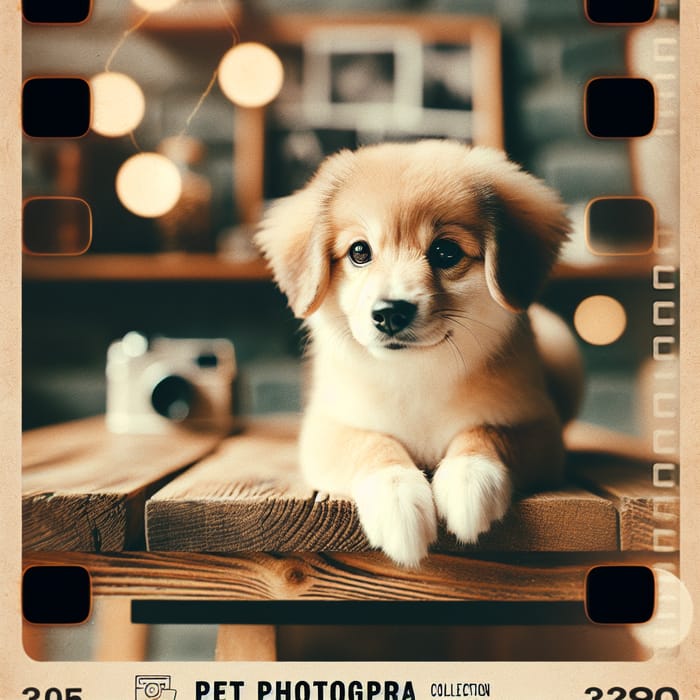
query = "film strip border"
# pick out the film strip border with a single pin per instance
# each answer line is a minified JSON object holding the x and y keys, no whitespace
{"x":643,"y":108}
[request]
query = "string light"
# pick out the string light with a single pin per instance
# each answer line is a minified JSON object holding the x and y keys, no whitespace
{"x":148,"y":184}
{"x":118,"y":104}
{"x":251,"y":75}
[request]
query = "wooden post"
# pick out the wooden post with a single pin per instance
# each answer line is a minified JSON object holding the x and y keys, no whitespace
{"x":117,"y":639}
{"x":246,"y":643}
{"x":248,"y":162}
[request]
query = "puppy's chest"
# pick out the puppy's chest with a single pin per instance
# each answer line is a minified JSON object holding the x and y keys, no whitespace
{"x":423,"y":410}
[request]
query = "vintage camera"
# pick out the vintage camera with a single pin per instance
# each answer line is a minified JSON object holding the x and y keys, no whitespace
{"x":154,"y":688}
{"x":158,"y":385}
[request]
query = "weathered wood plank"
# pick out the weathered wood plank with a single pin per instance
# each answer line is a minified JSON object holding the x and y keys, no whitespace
{"x":567,"y":520}
{"x":249,"y":496}
{"x":649,"y":514}
{"x":339,"y":576}
{"x":84,"y":488}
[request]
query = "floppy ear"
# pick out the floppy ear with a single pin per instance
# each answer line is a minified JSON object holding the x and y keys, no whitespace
{"x":529,"y":228}
{"x":294,"y":236}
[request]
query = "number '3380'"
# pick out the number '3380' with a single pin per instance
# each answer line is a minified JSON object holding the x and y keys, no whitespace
{"x":634,"y":694}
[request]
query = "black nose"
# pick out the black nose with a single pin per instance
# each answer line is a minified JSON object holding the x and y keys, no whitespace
{"x":391,"y":316}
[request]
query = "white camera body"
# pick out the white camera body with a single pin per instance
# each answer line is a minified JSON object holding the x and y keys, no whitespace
{"x":169,"y":383}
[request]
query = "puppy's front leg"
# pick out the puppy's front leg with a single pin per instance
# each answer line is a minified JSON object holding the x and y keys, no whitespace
{"x":474,"y":482}
{"x":393,"y":497}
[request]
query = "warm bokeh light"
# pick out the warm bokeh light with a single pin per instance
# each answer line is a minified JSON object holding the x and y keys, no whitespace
{"x":118,"y":104}
{"x":251,"y":75}
{"x":600,"y":320}
{"x":673,"y":616}
{"x":149,"y":184}
{"x":155,"y":5}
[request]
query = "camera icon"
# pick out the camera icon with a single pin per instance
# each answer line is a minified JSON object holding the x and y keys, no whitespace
{"x":154,"y":688}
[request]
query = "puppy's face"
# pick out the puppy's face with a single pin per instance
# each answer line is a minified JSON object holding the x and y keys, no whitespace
{"x":407,"y":254}
{"x":407,"y":247}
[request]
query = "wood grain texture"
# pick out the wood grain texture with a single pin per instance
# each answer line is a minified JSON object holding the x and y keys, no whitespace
{"x":649,"y":514}
{"x":339,"y":576}
{"x":84,"y":488}
{"x":249,"y":496}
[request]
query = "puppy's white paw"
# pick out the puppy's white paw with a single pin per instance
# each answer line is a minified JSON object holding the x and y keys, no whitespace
{"x":397,"y":512}
{"x":471,"y":493}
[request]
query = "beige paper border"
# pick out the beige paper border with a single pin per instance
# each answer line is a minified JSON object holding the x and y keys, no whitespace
{"x":511,"y":681}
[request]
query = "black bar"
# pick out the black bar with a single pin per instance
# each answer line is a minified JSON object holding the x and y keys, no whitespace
{"x":236,"y":612}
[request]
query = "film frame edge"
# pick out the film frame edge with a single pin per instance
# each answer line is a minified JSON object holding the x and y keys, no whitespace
{"x":661,"y":671}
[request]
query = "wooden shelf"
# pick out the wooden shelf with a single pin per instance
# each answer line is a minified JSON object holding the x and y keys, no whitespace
{"x":631,"y":267}
{"x":194,"y":17}
{"x":209,"y":267}
{"x":155,"y":267}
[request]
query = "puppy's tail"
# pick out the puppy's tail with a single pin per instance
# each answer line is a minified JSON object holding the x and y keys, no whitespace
{"x":562,"y":361}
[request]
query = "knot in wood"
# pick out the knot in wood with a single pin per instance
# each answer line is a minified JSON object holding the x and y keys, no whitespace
{"x":295,"y":575}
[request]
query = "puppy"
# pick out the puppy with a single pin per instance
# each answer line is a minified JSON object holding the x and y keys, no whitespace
{"x":436,"y":388}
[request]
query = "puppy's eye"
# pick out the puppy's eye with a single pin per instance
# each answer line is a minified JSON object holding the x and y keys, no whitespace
{"x":444,"y":253}
{"x":360,"y":253}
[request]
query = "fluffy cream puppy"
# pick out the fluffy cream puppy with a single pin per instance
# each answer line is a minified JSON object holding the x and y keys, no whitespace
{"x":436,"y":388}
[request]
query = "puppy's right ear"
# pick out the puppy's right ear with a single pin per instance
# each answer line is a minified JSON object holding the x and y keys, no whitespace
{"x":295,"y":237}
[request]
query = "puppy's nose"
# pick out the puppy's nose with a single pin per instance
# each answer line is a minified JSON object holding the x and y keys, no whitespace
{"x":391,"y":316}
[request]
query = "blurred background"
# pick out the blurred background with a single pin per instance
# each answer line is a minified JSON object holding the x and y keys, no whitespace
{"x":508,"y":73}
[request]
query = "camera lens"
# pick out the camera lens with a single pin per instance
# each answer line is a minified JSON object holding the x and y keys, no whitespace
{"x":152,"y":690}
{"x":172,"y":397}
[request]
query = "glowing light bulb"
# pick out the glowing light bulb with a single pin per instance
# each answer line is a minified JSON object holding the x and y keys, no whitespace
{"x":118,"y":104}
{"x":149,"y":184}
{"x":600,"y":320}
{"x":251,"y":75}
{"x":155,"y":5}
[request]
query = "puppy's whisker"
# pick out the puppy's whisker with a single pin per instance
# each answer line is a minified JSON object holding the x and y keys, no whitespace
{"x":466,"y":327}
{"x":453,"y":314}
{"x":457,"y":354}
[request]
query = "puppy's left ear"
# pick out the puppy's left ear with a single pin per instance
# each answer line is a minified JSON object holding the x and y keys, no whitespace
{"x":529,"y":228}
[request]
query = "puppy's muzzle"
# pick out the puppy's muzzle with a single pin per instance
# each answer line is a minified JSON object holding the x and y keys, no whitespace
{"x":391,"y":316}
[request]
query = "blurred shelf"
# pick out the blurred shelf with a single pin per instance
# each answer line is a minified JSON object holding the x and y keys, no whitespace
{"x":295,"y":27}
{"x":200,"y":16}
{"x":210,"y":267}
{"x":616,"y":268}
{"x":153,"y":267}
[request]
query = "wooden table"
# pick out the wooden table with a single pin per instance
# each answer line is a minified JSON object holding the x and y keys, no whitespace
{"x":193,"y":517}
